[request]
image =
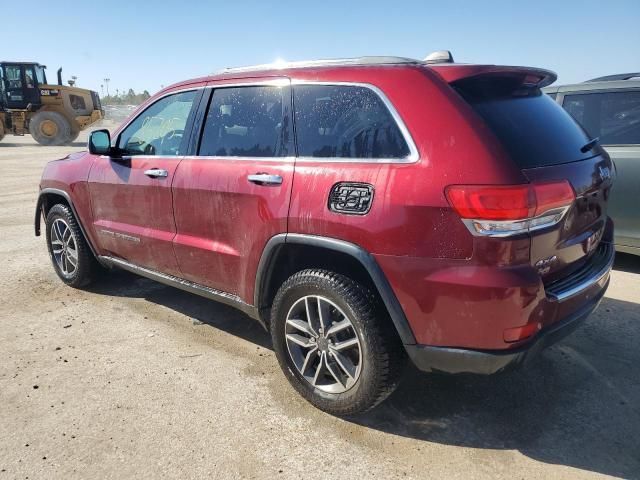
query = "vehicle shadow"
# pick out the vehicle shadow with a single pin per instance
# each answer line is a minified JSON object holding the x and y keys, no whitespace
{"x":627,"y":262}
{"x":201,"y":310}
{"x":578,"y":405}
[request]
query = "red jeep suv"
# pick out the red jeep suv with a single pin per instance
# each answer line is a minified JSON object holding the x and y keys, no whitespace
{"x":364,"y":210}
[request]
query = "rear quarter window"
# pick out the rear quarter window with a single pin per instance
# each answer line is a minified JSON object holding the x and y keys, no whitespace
{"x":340,"y":121}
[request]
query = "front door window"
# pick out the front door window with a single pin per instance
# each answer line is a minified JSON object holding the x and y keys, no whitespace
{"x":159,"y":130}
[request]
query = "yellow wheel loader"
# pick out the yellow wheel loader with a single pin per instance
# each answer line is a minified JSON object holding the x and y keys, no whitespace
{"x":51,"y":114}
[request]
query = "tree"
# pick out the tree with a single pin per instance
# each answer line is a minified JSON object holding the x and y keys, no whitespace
{"x":130,"y":98}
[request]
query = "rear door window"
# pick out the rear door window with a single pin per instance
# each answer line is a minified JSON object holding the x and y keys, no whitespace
{"x":614,"y":117}
{"x":339,"y":121}
{"x":245,"y":122}
{"x":531,"y":126}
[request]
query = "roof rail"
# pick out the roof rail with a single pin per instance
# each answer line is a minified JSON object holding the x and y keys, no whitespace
{"x":612,"y":78}
{"x":359,"y":61}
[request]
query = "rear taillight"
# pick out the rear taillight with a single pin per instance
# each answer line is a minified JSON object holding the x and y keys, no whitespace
{"x":505,"y":210}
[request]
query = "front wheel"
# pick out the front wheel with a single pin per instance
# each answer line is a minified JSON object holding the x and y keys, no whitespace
{"x":335,"y":342}
{"x":70,"y":254}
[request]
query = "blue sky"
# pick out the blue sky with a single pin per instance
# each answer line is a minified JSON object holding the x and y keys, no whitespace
{"x":143,"y":45}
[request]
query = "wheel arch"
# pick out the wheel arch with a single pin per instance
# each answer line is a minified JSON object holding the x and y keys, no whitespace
{"x":49,"y":197}
{"x":286,"y":254}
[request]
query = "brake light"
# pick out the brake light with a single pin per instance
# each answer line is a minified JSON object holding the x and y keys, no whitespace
{"x":499,"y":210}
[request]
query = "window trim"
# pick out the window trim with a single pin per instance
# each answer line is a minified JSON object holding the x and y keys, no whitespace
{"x":413,"y":156}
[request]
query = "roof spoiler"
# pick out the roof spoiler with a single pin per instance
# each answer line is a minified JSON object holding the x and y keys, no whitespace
{"x":532,"y":77}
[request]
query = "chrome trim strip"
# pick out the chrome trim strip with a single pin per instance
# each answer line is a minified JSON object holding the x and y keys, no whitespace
{"x":413,"y":156}
{"x":587,"y":283}
{"x":182,"y":284}
{"x":329,"y":62}
{"x":557,"y":215}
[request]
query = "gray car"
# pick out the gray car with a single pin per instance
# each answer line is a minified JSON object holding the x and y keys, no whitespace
{"x":609,"y":108}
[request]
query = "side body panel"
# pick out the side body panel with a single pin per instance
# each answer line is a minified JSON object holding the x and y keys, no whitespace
{"x":626,"y":190}
{"x":224,"y":222}
{"x":133,"y":213}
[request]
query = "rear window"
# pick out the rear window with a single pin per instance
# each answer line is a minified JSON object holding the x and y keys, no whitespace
{"x":532,"y":127}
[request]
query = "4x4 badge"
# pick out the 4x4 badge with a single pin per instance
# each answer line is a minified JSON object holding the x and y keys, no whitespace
{"x":605,"y":173}
{"x":351,"y":198}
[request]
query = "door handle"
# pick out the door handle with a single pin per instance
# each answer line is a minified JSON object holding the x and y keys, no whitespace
{"x":265,"y":179}
{"x":156,"y":173}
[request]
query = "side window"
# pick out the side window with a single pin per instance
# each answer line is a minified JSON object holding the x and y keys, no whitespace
{"x":159,"y":129}
{"x":14,"y":77}
{"x":245,"y":122}
{"x":346,"y":122}
{"x":29,"y":77}
{"x":612,"y":116}
{"x":552,"y":95}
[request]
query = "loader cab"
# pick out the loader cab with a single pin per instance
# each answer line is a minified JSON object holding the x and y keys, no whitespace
{"x":19,"y":84}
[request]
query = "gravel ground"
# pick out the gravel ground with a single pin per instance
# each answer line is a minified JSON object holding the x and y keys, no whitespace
{"x":135,"y":379}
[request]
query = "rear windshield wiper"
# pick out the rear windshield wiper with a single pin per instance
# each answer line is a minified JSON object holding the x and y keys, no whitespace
{"x":589,"y":145}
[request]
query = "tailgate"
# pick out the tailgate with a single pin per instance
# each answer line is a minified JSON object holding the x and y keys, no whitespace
{"x":563,"y":248}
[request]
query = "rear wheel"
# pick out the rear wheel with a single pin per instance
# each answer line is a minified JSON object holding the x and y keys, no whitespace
{"x":70,"y":254}
{"x":334,"y":342}
{"x":50,"y":128}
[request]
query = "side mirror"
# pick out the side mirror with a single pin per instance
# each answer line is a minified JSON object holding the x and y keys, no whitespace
{"x":100,"y":142}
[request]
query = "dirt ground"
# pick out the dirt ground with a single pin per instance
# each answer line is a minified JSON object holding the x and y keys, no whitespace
{"x":135,"y":379}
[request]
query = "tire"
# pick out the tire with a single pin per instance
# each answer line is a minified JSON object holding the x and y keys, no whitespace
{"x":74,"y":136}
{"x":50,"y":128}
{"x":64,"y":237}
{"x":360,"y":375}
{"x":1,"y":130}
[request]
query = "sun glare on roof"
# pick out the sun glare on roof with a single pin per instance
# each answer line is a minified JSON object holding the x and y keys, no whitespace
{"x":279,"y":63}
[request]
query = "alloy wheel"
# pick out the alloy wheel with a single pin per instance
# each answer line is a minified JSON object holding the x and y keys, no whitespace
{"x":323,"y":344}
{"x":64,"y":247}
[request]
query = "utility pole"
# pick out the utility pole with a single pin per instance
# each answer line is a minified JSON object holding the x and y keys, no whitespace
{"x":106,"y":81}
{"x":102,"y":90}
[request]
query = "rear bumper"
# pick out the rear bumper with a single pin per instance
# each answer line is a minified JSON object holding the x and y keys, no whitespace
{"x":487,"y":362}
